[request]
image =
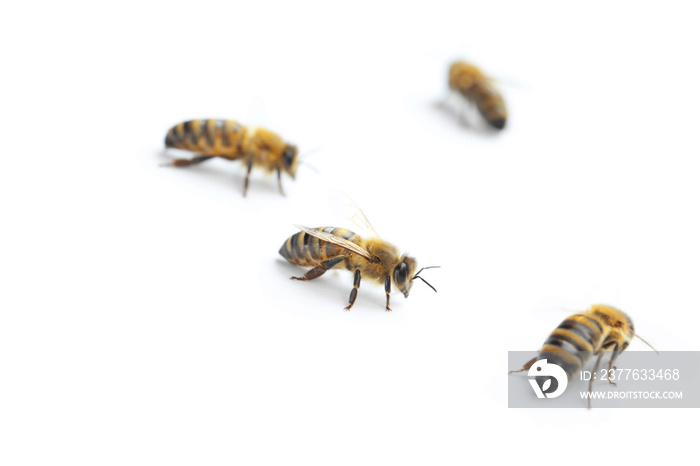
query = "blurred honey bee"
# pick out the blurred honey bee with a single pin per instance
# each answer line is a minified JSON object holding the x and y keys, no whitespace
{"x":325,"y":247}
{"x":228,"y":139}
{"x":586,"y":334}
{"x":478,"y":88}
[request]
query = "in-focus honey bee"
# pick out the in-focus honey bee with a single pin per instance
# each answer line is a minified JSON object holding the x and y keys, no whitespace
{"x":586,"y":334}
{"x":325,"y":247}
{"x":228,"y":139}
{"x":476,"y":87}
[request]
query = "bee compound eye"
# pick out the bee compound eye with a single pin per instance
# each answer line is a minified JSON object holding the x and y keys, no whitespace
{"x":288,"y":156}
{"x":400,"y":273}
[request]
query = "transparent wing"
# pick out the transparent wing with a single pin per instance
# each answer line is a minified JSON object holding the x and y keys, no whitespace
{"x":348,"y":209}
{"x":337,"y":240}
{"x":500,"y":81}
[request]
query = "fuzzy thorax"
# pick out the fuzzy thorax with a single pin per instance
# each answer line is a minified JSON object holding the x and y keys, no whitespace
{"x":388,"y":264}
{"x":620,"y":325}
{"x":463,"y":76}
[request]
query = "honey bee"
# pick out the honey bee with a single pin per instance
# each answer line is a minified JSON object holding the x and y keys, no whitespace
{"x":228,"y":139}
{"x":586,"y":334}
{"x":476,"y":87}
{"x":325,"y":247}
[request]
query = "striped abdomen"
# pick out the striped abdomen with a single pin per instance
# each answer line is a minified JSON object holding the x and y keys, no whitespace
{"x":208,"y":137}
{"x":490,"y":104}
{"x":573,"y":343}
{"x":307,"y":250}
{"x":469,"y":81}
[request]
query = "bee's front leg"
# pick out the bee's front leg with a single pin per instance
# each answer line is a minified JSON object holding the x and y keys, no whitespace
{"x":355,"y":286}
{"x":614,"y":356}
{"x":247,"y":176}
{"x":387,"y":289}
{"x":279,"y":181}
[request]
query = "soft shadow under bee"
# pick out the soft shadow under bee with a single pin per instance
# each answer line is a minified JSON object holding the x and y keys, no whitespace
{"x":326,"y":290}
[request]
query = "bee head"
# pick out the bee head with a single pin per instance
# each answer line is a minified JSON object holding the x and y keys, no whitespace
{"x":622,"y":325}
{"x":290,"y":160}
{"x":626,"y":327}
{"x":463,"y":75}
{"x":403,"y":275}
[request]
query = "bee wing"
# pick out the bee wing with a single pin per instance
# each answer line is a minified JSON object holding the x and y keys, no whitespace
{"x":359,"y":218}
{"x":337,"y":240}
{"x":501,"y":81}
{"x":348,"y":209}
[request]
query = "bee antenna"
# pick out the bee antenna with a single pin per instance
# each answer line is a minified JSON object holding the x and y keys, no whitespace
{"x":430,"y":267}
{"x":423,"y":279}
{"x":431,"y":286}
{"x":306,"y":154}
{"x":646,"y":342}
{"x":302,"y":162}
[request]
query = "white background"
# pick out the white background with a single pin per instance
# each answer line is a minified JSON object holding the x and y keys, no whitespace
{"x":147,"y":317}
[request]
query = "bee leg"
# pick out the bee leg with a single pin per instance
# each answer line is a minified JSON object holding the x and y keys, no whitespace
{"x":590,"y":384}
{"x":353,"y":293}
{"x":526,"y":367}
{"x":320,"y":269}
{"x":188,"y":162}
{"x":387,"y":290}
{"x":614,"y":356}
{"x":279,"y":181}
{"x":247,"y":176}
